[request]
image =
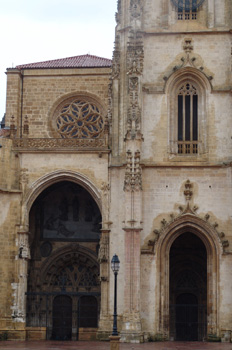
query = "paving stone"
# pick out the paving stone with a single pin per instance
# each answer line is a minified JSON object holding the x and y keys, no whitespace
{"x":52,"y":345}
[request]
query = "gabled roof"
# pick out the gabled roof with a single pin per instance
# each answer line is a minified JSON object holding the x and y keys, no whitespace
{"x":83,"y":61}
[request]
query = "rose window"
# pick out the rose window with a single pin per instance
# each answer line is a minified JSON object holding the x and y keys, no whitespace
{"x":79,"y":119}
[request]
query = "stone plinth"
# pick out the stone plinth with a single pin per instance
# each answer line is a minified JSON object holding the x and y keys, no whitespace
{"x":88,"y":334}
{"x":114,"y":342}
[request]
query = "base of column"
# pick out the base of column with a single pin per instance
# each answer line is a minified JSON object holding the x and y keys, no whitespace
{"x":114,"y":342}
{"x":131,"y":329}
{"x":106,"y":326}
{"x":131,"y":337}
{"x":103,"y":335}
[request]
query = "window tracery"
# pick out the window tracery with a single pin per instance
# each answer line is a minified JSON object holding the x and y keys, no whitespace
{"x":187,"y":119}
{"x":188,"y":91}
{"x":79,"y":118}
{"x":187,"y":9}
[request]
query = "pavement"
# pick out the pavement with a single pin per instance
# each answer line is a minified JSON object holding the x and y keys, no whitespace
{"x":81,"y":345}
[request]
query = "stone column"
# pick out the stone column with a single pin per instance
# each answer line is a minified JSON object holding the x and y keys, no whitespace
{"x":211,"y":14}
{"x":131,"y":329}
{"x":20,"y":287}
{"x":103,"y":257}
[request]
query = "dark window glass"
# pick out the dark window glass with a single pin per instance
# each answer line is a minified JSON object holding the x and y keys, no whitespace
{"x":180,"y":5}
{"x":187,"y":5}
{"x":187,"y":118}
{"x":187,"y":128}
{"x":195,"y":118}
{"x":180,"y":118}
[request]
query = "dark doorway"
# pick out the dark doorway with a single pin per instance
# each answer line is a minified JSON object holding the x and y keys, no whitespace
{"x":65,"y":227}
{"x":188,"y":288}
{"x":62,"y":318}
{"x":187,"y":317}
{"x":88,"y":312}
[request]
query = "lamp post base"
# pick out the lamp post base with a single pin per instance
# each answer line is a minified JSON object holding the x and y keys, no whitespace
{"x":114,"y":342}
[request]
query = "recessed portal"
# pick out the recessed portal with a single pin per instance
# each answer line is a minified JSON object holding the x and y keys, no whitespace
{"x":63,"y":293}
{"x":188,"y":288}
{"x":62,"y":318}
{"x":88,"y":312}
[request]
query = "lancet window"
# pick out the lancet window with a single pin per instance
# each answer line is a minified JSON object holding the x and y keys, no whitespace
{"x":187,"y":110}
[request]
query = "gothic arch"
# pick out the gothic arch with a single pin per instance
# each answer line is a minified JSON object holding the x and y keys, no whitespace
{"x":196,"y":78}
{"x":190,"y":72}
{"x":197,"y":226}
{"x":49,"y":179}
{"x":70,"y":272}
{"x":66,"y":255}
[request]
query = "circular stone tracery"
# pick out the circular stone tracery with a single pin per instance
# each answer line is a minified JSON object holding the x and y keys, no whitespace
{"x":79,"y":119}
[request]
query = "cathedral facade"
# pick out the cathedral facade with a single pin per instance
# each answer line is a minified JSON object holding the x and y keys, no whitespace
{"x":130,"y":157}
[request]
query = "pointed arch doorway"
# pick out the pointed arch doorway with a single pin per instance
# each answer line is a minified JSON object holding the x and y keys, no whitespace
{"x":206,"y":237}
{"x":188,"y":288}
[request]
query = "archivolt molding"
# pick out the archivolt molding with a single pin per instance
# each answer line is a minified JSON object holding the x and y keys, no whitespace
{"x":191,"y":61}
{"x":161,"y":242}
{"x":192,"y":223}
{"x":72,"y":250}
{"x":190,"y":74}
{"x":71,"y":268}
{"x":187,"y":219}
{"x":186,"y":66}
{"x":49,"y":179}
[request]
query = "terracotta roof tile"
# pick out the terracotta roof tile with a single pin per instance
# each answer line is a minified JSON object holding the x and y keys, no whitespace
{"x":84,"y":61}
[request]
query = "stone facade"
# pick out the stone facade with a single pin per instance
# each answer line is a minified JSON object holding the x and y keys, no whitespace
{"x":154,"y":154}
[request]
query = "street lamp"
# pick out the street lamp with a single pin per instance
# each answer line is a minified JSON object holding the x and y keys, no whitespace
{"x":115,"y":266}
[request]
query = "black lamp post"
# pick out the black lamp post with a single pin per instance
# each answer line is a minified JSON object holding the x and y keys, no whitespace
{"x":115,"y":265}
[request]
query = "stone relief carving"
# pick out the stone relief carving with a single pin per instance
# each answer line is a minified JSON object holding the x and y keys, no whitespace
{"x":135,"y":57}
{"x":135,"y":53}
{"x":58,"y":144}
{"x":134,"y":61}
{"x":187,"y":192}
{"x":136,"y":13}
{"x":119,"y":12}
{"x":135,"y":8}
{"x":134,"y":110}
{"x":189,"y":60}
{"x":110,"y":107}
{"x":187,"y":209}
{"x":24,"y":177}
{"x":23,"y":244}
{"x":133,"y":174}
{"x":103,"y":255}
{"x":116,"y":59}
{"x":105,"y":187}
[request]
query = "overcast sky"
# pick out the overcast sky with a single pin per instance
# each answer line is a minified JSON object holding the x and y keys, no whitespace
{"x":40,"y":30}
